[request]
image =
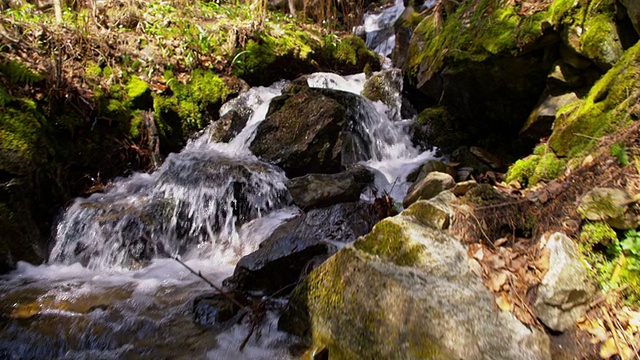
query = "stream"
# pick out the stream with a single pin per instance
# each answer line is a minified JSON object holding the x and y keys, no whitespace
{"x":110,"y":289}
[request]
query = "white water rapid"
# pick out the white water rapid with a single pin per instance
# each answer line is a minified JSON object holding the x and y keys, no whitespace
{"x":110,"y":290}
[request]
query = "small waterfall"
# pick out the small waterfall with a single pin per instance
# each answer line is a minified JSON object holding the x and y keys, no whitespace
{"x":381,"y":143}
{"x":197,"y":199}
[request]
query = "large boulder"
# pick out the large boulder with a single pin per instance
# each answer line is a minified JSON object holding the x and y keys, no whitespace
{"x":299,"y":245}
{"x":405,"y":291}
{"x":319,"y":190}
{"x":566,"y":290}
{"x":304,"y":135}
{"x":486,"y":71}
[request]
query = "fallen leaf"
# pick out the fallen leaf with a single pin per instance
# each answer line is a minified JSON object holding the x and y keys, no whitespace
{"x":503,"y":302}
{"x":494,"y":261}
{"x":475,"y":267}
{"x":608,"y":349}
{"x":495,"y":282}
{"x":500,"y":241}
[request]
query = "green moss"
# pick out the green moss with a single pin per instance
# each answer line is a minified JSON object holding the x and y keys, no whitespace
{"x":600,"y":40}
{"x":389,"y":241}
{"x":477,"y":30}
{"x":597,"y":233}
{"x":196,"y":100}
{"x":578,"y":127}
{"x":21,"y":138}
{"x":136,"y":87}
{"x":93,"y":71}
{"x":522,"y":170}
{"x":548,"y":168}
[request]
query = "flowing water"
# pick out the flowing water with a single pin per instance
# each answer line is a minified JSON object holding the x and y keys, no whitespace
{"x":111,"y":290}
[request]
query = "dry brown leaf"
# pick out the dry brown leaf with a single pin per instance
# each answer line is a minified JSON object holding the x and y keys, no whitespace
{"x":494,"y":261}
{"x":495,"y":282}
{"x":542,"y":263}
{"x":500,"y":241}
{"x":475,"y":267}
{"x":476,"y":251}
{"x":503,"y":302}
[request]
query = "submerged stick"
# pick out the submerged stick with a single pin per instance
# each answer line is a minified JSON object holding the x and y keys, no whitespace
{"x":217,"y":288}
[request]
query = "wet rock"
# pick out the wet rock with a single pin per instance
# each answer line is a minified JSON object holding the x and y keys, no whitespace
{"x":487,"y":157}
{"x":228,"y":126}
{"x":566,"y":290}
{"x":216,"y":311}
{"x":386,"y":86}
{"x":303,"y":136}
{"x":614,"y":206}
{"x":433,"y":184}
{"x":429,"y":167}
{"x":405,"y":290}
{"x":540,"y":122}
{"x":300,"y":245}
{"x":320,"y":190}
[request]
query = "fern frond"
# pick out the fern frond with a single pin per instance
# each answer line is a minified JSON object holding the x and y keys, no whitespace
{"x":18,"y":73}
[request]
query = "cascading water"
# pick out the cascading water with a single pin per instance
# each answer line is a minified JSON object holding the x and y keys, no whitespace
{"x":109,"y":290}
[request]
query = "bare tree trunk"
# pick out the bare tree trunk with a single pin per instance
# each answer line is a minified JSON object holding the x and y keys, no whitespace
{"x":57,"y":7}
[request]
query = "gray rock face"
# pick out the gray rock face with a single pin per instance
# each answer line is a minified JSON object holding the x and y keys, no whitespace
{"x":319,"y":190}
{"x":541,"y":119}
{"x":566,"y":290}
{"x":405,"y":291}
{"x":300,"y":245}
{"x":433,"y":184}
{"x":610,"y":205}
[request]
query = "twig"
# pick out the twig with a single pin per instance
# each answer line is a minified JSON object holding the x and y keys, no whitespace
{"x":478,"y":222}
{"x":217,"y":288}
{"x":614,"y":331}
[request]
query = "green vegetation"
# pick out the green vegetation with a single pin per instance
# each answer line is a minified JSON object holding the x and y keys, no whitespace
{"x":619,"y":151}
{"x":476,"y":31}
{"x":614,"y":263}
{"x":542,"y":165}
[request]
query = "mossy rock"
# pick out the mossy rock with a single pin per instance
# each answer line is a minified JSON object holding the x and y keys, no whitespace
{"x":542,"y":165}
{"x":609,"y":106}
{"x":406,"y":291}
{"x":486,"y":64}
{"x":269,"y":57}
{"x":436,"y":127}
{"x":589,"y":29}
{"x":139,"y":94}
